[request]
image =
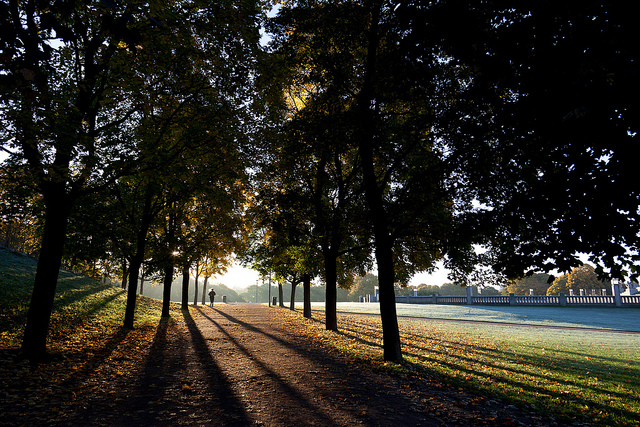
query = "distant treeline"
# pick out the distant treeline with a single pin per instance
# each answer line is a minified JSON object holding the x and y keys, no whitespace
{"x":154,"y":290}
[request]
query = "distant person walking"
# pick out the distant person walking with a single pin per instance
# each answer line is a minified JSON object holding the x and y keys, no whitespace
{"x":212,"y":295}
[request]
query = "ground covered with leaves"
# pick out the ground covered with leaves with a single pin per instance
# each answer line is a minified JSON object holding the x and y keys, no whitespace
{"x":248,"y":364}
{"x":230,"y":365}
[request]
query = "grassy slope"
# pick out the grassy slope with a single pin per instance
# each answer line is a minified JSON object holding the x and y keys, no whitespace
{"x":85,"y":335}
{"x":82,"y":308}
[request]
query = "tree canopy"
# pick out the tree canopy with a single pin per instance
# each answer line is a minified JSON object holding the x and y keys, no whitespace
{"x":539,"y":283}
{"x":497,"y":137}
{"x":556,"y":85}
{"x":95,"y":92}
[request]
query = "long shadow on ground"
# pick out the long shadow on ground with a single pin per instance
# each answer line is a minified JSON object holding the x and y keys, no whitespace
{"x":318,"y":389}
{"x":176,"y":386}
{"x":283,"y":386}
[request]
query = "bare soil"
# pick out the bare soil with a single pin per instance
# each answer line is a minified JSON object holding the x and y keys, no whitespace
{"x":235,"y":365}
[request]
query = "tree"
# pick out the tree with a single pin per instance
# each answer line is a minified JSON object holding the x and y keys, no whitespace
{"x":357,"y":56}
{"x":80,"y":81}
{"x":424,"y":289}
{"x":280,"y":241}
{"x":585,"y":277}
{"x":559,"y":286}
{"x":213,"y":262}
{"x":20,"y":224}
{"x":61,"y":126}
{"x":538,"y":282}
{"x":140,"y":222}
{"x":211,"y":223}
{"x":363,"y":285}
{"x":553,"y":95}
{"x":321,"y":176}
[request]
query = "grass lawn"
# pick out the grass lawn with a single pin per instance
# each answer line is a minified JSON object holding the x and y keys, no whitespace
{"x":624,"y":319}
{"x":569,"y":374}
{"x":85,"y":335}
{"x":587,"y":376}
{"x":86,"y":312}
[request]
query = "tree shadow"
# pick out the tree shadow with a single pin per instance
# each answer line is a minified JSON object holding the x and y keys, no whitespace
{"x":314,"y":395}
{"x":218,"y":385}
{"x":95,"y":360}
{"x":504,"y":366}
{"x":163,"y":392}
{"x":281,"y":384}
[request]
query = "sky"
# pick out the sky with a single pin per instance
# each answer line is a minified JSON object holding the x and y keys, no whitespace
{"x":239,"y":277}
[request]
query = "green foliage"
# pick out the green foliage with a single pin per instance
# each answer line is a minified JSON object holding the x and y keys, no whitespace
{"x":553,"y":99}
{"x":363,"y":285}
{"x":20,"y":207}
{"x":538,"y":282}
{"x":585,"y":277}
{"x":327,"y":46}
{"x":559,"y":286}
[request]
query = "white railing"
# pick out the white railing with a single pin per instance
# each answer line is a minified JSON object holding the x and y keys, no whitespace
{"x":563,"y":300}
{"x":591,"y":300}
{"x":537,"y":300}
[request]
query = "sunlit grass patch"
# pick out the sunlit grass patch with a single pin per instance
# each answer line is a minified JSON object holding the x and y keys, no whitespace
{"x":570,"y":375}
{"x":86,"y":336}
{"x":574,"y":374}
{"x":85,"y":311}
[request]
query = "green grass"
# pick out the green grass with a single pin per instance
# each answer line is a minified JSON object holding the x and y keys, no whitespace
{"x":85,"y":310}
{"x":86,"y":336}
{"x":591,"y":377}
{"x":570,"y":375}
{"x":611,"y":318}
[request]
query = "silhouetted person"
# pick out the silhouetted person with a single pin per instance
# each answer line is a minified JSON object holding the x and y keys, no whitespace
{"x":212,"y":295}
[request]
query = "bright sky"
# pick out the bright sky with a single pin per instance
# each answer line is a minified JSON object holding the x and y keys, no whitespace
{"x":239,"y":277}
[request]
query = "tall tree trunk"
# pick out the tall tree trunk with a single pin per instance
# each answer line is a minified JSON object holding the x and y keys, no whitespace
{"x":331,"y":293}
{"x":125,"y":273}
{"x":375,"y":201}
{"x":166,"y":289}
{"x":168,"y":268}
{"x":58,"y":208}
{"x":388,"y":315}
{"x":280,"y":295}
{"x":306,"y":286}
{"x":195,"y":292}
{"x":204,"y":290}
{"x":292,"y":302}
{"x":136,"y":260}
{"x":185,"y":287}
{"x":384,"y":258}
{"x":129,"y":311}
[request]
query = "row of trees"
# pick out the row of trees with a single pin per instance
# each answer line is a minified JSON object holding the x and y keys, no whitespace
{"x":495,"y":136}
{"x":582,"y":277}
{"x":125,"y":126}
{"x":447,"y":289}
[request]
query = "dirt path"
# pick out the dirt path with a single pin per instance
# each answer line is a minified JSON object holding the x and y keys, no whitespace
{"x":233,"y":365}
